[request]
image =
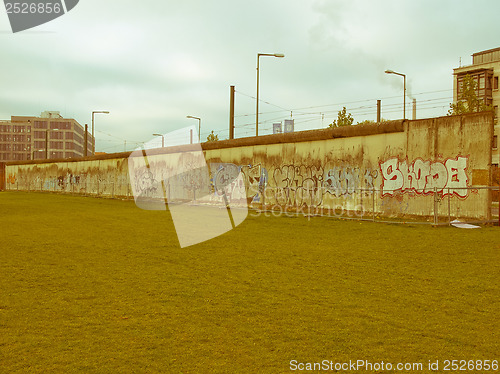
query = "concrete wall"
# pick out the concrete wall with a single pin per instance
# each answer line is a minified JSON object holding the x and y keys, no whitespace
{"x":396,"y":168}
{"x":2,"y":176}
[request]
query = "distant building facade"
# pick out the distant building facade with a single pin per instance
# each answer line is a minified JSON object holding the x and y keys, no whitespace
{"x":485,"y":70}
{"x":50,"y":136}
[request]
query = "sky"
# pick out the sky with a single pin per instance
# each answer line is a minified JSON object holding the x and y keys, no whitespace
{"x":152,"y":63}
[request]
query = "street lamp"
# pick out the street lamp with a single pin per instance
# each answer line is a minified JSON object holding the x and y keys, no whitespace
{"x":199,"y":126}
{"x":47,"y":142}
{"x":404,"y":89}
{"x":280,"y":55}
{"x":162,"y":139}
{"x":93,"y":139}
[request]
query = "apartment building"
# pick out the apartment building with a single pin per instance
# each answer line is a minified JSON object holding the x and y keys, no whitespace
{"x":485,"y":70}
{"x":49,"y":136}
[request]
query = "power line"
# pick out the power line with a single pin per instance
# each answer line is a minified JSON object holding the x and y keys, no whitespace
{"x":260,"y":100}
{"x":365,"y":110}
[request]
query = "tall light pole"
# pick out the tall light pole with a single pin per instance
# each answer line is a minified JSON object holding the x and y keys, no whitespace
{"x":199,"y":126}
{"x":280,"y":55}
{"x":93,"y":139}
{"x":404,"y":89}
{"x":162,"y":139}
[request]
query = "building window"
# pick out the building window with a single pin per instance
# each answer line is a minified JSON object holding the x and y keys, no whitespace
{"x":56,"y":135}
{"x":56,"y":145}
{"x":18,"y":156}
{"x":57,"y":155}
{"x":79,"y":130}
{"x":40,"y":124}
{"x":495,"y":83}
{"x":495,"y":141}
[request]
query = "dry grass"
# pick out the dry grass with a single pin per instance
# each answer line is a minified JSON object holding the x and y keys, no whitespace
{"x":93,"y":285}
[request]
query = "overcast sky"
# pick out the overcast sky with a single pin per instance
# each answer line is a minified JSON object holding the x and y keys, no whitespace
{"x":152,"y":63}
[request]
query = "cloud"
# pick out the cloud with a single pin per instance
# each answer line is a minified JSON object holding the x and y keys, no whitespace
{"x":151,"y":65}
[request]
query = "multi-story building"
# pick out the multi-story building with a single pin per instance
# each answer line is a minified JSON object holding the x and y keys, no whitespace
{"x":485,"y":70}
{"x":48,"y":136}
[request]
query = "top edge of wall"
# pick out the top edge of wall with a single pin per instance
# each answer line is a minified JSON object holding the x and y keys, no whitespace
{"x":293,"y":137}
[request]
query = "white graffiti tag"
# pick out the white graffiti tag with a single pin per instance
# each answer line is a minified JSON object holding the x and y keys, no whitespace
{"x":423,"y":177}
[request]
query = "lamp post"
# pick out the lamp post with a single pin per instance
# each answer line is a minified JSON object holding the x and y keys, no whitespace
{"x":93,"y":139}
{"x":199,"y":126}
{"x":47,"y":142}
{"x":162,"y":139}
{"x":280,"y":55}
{"x":404,"y":89}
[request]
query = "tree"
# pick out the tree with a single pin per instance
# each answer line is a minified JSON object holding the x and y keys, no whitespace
{"x":343,"y":119}
{"x":370,"y":122}
{"x":468,"y":102}
{"x":212,"y":137}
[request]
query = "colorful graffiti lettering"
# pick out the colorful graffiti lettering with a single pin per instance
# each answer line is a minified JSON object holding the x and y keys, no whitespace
{"x":423,"y":177}
{"x":256,"y":179}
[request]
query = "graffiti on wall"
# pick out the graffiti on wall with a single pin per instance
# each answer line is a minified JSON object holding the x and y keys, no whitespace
{"x":145,"y":182}
{"x":298,"y":185}
{"x":225,"y":181}
{"x":226,"y":177}
{"x":223,"y":175}
{"x":342,"y":181}
{"x":256,"y":179}
{"x":423,"y":177}
{"x":11,"y":178}
{"x":292,"y":185}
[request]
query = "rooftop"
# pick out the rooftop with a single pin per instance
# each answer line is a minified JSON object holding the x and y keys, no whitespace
{"x":486,"y":52}
{"x":490,"y":55}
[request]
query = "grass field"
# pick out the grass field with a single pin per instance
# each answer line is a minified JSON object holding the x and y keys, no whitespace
{"x":95,"y":285}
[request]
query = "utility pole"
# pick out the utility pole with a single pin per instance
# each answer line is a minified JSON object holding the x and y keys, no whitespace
{"x":85,"y":140}
{"x":47,"y":144}
{"x":231,"y":113}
